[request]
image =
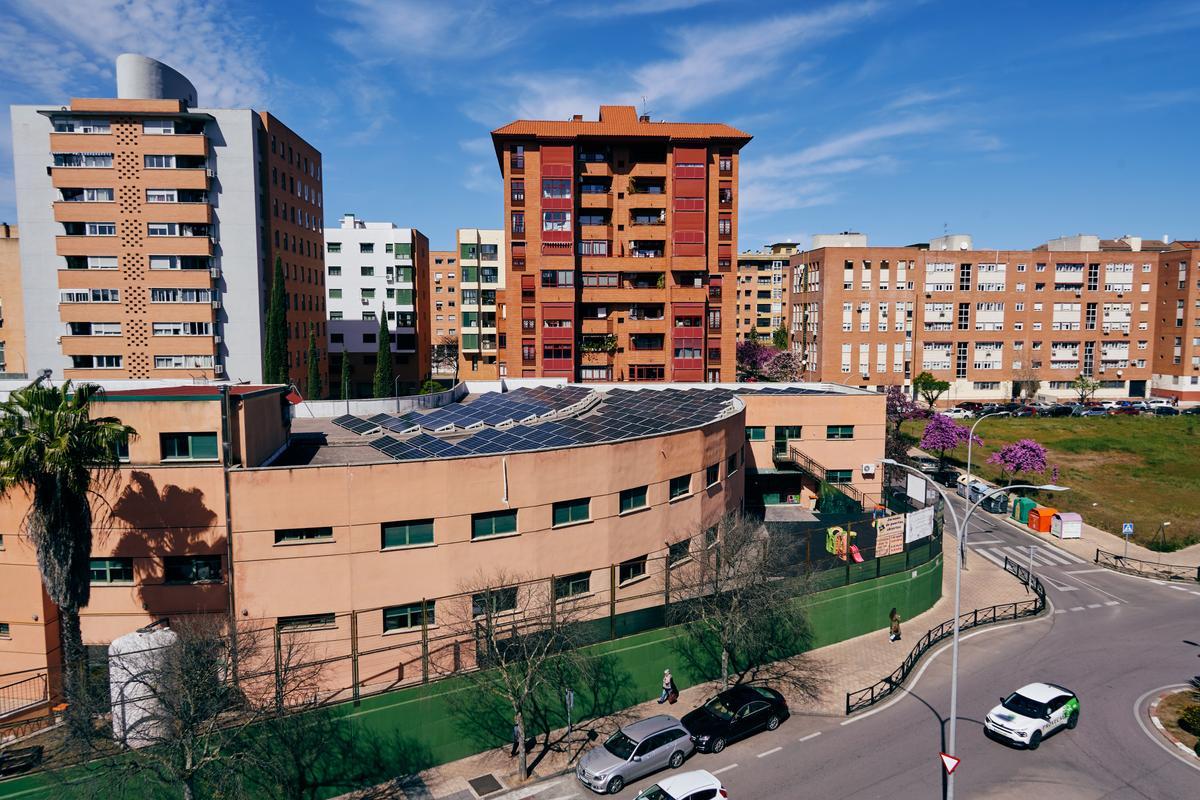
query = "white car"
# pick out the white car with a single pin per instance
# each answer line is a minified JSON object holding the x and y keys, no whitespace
{"x":958,"y":413}
{"x":1158,"y":401}
{"x":698,"y":784}
{"x":1032,"y":713}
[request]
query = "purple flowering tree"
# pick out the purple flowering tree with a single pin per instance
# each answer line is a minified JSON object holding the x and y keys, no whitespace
{"x":943,"y":434}
{"x":752,"y":358}
{"x":1024,"y":455}
{"x":900,"y":407}
{"x":784,"y":367}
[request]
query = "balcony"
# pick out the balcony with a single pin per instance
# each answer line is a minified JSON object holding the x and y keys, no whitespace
{"x":602,"y":200}
{"x":647,"y":248}
{"x":645,"y":187}
{"x":200,"y":213}
{"x":625,"y":294}
{"x":179,"y":144}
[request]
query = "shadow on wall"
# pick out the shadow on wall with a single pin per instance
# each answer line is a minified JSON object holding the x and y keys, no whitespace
{"x":170,"y":521}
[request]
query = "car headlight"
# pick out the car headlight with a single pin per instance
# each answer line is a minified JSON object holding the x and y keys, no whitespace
{"x":703,"y":738}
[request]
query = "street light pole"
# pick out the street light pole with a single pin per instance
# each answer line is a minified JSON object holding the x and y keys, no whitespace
{"x":960,"y":528}
{"x":970,"y":442}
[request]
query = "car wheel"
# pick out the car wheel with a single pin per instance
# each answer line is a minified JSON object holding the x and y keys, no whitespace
{"x":1035,"y":740}
{"x":718,"y":745}
{"x":1072,"y":720}
{"x":615,"y":785}
{"x":676,"y":760}
{"x":772,"y":723}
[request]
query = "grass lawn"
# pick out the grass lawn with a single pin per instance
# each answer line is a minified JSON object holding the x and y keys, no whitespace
{"x":1143,"y":470}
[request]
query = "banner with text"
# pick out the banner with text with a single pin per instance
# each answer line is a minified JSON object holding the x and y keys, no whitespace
{"x":889,"y":536}
{"x":918,"y":525}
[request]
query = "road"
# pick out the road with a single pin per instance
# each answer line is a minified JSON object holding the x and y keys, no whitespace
{"x":1111,"y":638}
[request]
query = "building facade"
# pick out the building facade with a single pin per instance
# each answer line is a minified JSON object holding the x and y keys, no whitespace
{"x":337,"y":534}
{"x":442,"y":295}
{"x":764,"y":283}
{"x":12,"y":306}
{"x":374,"y":269}
{"x":150,"y":227}
{"x":482,"y":278}
{"x":987,"y":321}
{"x":622,"y":235}
{"x":1177,"y":323}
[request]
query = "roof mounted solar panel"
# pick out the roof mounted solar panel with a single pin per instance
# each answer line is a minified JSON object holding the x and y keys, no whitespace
{"x":355,"y":425}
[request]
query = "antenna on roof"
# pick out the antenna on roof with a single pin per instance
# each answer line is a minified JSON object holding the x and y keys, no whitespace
{"x":645,"y":115}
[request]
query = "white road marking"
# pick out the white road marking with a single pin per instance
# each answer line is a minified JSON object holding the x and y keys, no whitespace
{"x":1093,"y":605}
{"x":1111,"y":603}
{"x":1184,"y":748}
{"x":1157,"y":723}
{"x":1085,"y":571}
{"x":984,"y":541}
{"x":1077,"y":608}
{"x":1195,"y":593}
{"x":1060,"y":611}
{"x":1096,"y":588}
{"x":1179,"y":588}
{"x":810,"y":736}
{"x":723,"y":769}
{"x":772,"y":751}
{"x":992,"y":557}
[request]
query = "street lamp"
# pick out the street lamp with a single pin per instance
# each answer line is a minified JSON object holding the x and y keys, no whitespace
{"x":960,"y":532}
{"x":971,"y":441}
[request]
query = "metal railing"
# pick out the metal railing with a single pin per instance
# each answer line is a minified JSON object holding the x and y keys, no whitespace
{"x":1147,"y":569}
{"x":1005,"y":612}
{"x":818,"y":471}
{"x":23,"y":694}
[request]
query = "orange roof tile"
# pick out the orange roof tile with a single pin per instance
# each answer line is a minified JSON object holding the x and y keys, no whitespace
{"x":619,"y":121}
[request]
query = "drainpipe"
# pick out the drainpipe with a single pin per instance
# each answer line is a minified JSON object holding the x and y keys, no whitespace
{"x":226,"y":462}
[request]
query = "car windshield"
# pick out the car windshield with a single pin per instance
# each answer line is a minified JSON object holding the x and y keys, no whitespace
{"x":718,"y":708}
{"x":620,"y":745}
{"x":654,"y":792}
{"x":1020,"y":704}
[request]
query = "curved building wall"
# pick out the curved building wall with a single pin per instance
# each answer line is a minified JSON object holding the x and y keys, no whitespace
{"x":142,"y":78}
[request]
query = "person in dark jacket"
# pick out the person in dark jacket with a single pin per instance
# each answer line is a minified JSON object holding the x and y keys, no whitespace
{"x":894,"y":616}
{"x":670,"y":692}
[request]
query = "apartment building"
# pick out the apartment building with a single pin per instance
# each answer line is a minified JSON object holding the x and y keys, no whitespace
{"x":483,"y":276}
{"x":984,"y":320}
{"x":12,"y":307}
{"x":764,"y":284}
{"x":622,"y":234}
{"x":1177,"y":323}
{"x":374,"y":269}
{"x":149,"y":230}
{"x":442,"y":295}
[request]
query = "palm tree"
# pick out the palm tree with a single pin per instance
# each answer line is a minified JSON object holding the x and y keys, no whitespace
{"x":52,"y":450}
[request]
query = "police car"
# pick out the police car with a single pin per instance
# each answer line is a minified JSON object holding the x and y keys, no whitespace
{"x":1032,"y":713}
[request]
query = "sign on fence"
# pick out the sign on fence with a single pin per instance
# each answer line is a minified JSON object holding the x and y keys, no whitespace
{"x":889,"y":535}
{"x":916,"y":488}
{"x":918,"y":525}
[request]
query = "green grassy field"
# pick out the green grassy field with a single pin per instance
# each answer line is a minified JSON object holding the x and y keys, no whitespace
{"x":1144,"y":470}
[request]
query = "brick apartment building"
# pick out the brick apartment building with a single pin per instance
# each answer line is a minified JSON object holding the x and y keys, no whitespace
{"x":442,"y":297}
{"x":12,"y":310}
{"x":149,"y":231}
{"x":764,"y":289}
{"x":622,"y":238}
{"x":985,"y":320}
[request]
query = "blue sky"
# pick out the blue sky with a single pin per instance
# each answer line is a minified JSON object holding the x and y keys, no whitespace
{"x":1014,"y":121}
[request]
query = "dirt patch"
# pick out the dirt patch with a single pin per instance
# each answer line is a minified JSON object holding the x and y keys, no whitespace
{"x":1169,"y":709}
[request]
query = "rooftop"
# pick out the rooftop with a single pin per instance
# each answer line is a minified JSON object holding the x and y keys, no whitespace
{"x":195,"y":392}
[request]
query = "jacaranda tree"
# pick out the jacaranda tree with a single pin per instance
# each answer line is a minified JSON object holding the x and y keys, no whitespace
{"x":1024,"y":455}
{"x":943,"y":434}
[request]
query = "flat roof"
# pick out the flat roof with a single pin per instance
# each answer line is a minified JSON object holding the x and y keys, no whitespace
{"x":198,"y":392}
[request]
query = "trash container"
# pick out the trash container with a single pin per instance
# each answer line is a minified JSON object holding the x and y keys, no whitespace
{"x":1040,"y":518}
{"x":1020,"y":509}
{"x":1066,"y":525}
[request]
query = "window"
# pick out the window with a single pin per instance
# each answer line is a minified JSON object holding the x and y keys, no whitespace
{"x":366,"y":247}
{"x":366,"y":272}
{"x":553,"y":278}
{"x":494,"y":601}
{"x":303,"y":535}
{"x":756,"y":433}
{"x":556,"y":220}
{"x":183,"y":362}
{"x":782,"y":434}
{"x":496,"y":523}
{"x":680,"y":486}
{"x":839,"y":431}
{"x":731,"y":464}
{"x":839,"y":475}
{"x":413,"y":615}
{"x":679,"y":552}
{"x":87,"y":195}
{"x":5,"y":631}
{"x":83,"y":159}
{"x":192,"y":569}
{"x":112,"y":570}
{"x":180,"y":295}
{"x":570,"y":511}
{"x":333,"y":247}
{"x":572,"y":585}
{"x":712,"y":475}
{"x":81,"y":125}
{"x":188,"y":446}
{"x":406,"y":534}
{"x":633,"y":499}
{"x":92,"y":262}
{"x":306,"y":622}
{"x":631,"y":570}
{"x":180,"y":329}
{"x":558,"y":188}
{"x":96,"y":362}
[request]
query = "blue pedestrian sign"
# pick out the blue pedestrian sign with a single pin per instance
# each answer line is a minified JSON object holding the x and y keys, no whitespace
{"x":1127,"y":529}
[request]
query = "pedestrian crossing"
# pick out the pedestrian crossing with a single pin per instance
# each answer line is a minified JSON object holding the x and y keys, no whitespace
{"x":1042,"y":556}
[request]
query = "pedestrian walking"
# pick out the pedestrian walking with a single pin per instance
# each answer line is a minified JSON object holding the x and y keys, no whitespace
{"x":894,"y":616}
{"x":670,"y":692}
{"x":516,"y":743}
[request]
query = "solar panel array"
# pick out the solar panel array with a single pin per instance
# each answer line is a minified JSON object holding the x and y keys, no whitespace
{"x":546,"y":418}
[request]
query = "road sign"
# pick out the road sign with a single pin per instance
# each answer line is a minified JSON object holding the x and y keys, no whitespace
{"x":1127,"y":529}
{"x":949,"y":762}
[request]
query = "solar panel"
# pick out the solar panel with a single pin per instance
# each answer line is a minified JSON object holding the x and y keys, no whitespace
{"x":355,"y":424}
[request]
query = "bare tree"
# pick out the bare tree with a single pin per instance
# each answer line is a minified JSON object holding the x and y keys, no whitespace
{"x":1027,"y":382}
{"x":525,"y":643}
{"x":445,"y":355}
{"x":740,"y":600}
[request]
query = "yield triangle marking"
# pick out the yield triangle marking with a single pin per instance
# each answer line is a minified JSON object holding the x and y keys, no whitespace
{"x":950,"y":763}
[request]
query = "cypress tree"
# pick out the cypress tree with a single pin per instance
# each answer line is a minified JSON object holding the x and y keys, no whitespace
{"x":275,"y":366}
{"x":383,"y":360}
{"x":314,"y":366}
{"x":345,"y":379}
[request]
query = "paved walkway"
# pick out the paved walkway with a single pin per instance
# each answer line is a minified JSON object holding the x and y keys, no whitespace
{"x":850,"y":665}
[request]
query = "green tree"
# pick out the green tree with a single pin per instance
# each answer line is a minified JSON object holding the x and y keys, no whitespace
{"x":1084,"y":387}
{"x":345,"y":376}
{"x":384,"y":375}
{"x":779,"y":338}
{"x":314,"y":366}
{"x":930,"y":388}
{"x":275,"y":366}
{"x":54,"y":451}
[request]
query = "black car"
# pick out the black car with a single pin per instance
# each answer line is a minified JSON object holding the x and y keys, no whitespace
{"x":1191,"y":411}
{"x":1165,"y":411}
{"x":1058,"y":411}
{"x":734,"y":713}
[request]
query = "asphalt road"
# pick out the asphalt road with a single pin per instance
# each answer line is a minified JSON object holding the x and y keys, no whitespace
{"x":1113,"y":639}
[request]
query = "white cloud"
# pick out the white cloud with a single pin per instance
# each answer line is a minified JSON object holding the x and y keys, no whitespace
{"x":1172,"y":19}
{"x":630,"y":8}
{"x":411,"y":31}
{"x":921,"y":97}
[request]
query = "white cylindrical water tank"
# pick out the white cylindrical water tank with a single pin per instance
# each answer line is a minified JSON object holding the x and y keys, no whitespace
{"x":133,"y":670}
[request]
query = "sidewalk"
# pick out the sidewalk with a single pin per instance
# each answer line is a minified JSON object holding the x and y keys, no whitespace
{"x":850,"y":665}
{"x":1093,"y":539}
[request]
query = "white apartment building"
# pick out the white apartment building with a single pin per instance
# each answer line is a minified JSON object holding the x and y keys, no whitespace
{"x":482,"y":268}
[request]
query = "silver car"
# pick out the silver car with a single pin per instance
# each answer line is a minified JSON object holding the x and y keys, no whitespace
{"x":633,"y":751}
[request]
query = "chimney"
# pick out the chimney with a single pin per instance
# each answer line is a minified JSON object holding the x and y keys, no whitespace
{"x":577,"y":118}
{"x":1166,"y":239}
{"x":5,"y":224}
{"x":644,"y":118}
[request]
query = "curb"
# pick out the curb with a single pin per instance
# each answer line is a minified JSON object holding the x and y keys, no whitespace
{"x":1162,"y":730}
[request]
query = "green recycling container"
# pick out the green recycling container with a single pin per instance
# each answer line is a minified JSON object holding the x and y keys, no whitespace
{"x":1020,"y":509}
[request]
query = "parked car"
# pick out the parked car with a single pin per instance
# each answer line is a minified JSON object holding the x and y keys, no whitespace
{"x":1158,"y":401}
{"x":926,"y":464}
{"x":1165,"y":411}
{"x":994,"y":409}
{"x":699,"y":784}
{"x":1031,"y":713}
{"x":733,"y":714}
{"x":970,"y":405}
{"x":959,"y":413}
{"x":1191,"y":411}
{"x":637,"y":749}
{"x":1025,"y":411}
{"x":1108,"y":405}
{"x":1058,"y":411}
{"x":1124,"y":411}
{"x":946,"y":477}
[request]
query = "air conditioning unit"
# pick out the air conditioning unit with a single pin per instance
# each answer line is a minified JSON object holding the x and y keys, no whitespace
{"x":868,"y":470}
{"x":217,"y":339}
{"x":216,"y":303}
{"x":218,"y":369}
{"x":214,"y":272}
{"x":210,"y":172}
